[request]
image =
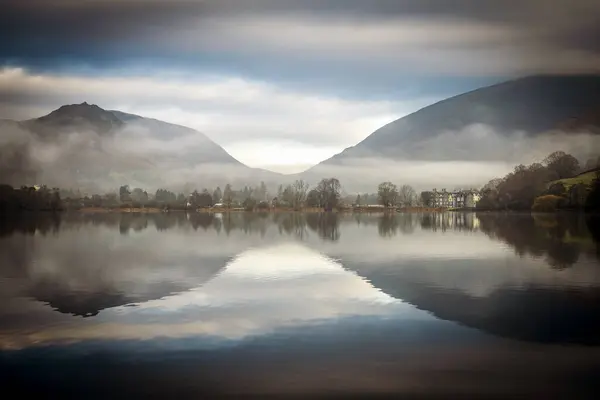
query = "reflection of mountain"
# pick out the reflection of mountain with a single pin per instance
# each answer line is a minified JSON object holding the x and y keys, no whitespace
{"x":536,"y":314}
{"x":87,"y":302}
{"x":163,"y":254}
{"x":258,"y":292}
{"x":560,"y":238}
{"x":512,"y":300}
{"x":90,"y":299}
{"x":82,"y":274}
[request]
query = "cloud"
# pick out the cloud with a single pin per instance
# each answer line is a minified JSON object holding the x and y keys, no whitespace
{"x":259,"y":124}
{"x":279,"y":38}
{"x":452,"y":159}
{"x":232,"y":111}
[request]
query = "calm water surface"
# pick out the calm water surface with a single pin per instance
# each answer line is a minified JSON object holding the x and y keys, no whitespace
{"x":172,"y":305}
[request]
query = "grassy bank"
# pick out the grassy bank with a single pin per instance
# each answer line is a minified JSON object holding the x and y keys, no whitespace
{"x":586,"y":178}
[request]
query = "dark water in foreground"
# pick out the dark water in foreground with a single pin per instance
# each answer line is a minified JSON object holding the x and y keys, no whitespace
{"x":289,"y":304}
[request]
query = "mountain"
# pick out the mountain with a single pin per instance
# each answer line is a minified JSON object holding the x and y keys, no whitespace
{"x":463,"y":141}
{"x":85,"y":146}
{"x":519,"y":121}
{"x":73,"y":118}
{"x":531,"y":105}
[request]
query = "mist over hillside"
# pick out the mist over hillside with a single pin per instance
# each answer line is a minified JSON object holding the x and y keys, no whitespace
{"x":459,"y":141}
{"x":83,"y":146}
{"x":463,"y":141}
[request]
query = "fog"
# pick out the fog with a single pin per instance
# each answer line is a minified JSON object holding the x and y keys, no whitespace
{"x":96,"y":162}
{"x":454,"y":159}
{"x":182,"y":159}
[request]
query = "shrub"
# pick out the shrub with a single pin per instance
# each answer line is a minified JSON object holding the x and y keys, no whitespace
{"x":547,"y":203}
{"x":593,"y":199}
{"x":557,"y":189}
{"x":249,"y":204}
{"x":263,"y":205}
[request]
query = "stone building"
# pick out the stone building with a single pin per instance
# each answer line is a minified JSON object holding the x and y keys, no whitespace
{"x":458,"y":199}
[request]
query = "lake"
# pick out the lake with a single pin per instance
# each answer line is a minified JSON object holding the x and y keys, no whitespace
{"x":424,"y":305}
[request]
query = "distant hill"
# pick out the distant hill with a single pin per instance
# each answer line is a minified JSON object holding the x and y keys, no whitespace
{"x":481,"y":134}
{"x":531,"y":105}
{"x":85,"y":146}
{"x":512,"y":122}
{"x":75,"y":117}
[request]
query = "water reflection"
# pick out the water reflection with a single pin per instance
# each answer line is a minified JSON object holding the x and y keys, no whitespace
{"x":257,"y":292}
{"x":560,"y":238}
{"x":299,"y":304}
{"x":534,"y":278}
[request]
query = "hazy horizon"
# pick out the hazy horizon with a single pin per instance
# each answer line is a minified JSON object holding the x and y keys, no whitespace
{"x":280,"y":85}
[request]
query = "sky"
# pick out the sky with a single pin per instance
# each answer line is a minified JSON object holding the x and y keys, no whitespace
{"x":280,"y":84}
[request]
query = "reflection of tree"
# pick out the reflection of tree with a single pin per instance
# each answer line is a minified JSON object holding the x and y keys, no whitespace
{"x":29,"y":223}
{"x":217,"y":225}
{"x":136,"y":222}
{"x":201,"y":220}
{"x":228,"y":222}
{"x":593,"y":224}
{"x":427,"y":222}
{"x":292,"y":224}
{"x":358,"y":217}
{"x":387,"y":225}
{"x":325,"y":224}
{"x":562,"y":255}
{"x":164,"y":221}
{"x":406,"y":223}
{"x":124,"y":226}
{"x":253,"y":223}
{"x":559,"y":237}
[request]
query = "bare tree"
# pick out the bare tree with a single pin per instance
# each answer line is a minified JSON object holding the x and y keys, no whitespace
{"x":217,"y":195}
{"x":261,"y":192}
{"x":563,"y":164}
{"x":387,"y":194}
{"x":407,"y":195}
{"x":427,"y":198}
{"x":300,"y":189}
{"x":329,"y":191}
{"x":492,"y":185}
{"x":227,"y":196}
{"x":313,"y":198}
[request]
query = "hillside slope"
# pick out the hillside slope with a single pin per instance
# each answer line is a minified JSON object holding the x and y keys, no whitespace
{"x":519,"y":121}
{"x":530,"y":105}
{"x":84,"y":146}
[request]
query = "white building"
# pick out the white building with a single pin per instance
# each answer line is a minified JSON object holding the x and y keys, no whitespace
{"x":458,"y":199}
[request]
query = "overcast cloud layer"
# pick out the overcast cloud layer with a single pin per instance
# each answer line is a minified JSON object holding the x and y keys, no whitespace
{"x":280,"y":84}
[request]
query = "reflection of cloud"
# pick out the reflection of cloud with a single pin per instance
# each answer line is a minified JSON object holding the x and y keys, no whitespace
{"x":254,"y":282}
{"x":417,"y":245}
{"x":258,"y":292}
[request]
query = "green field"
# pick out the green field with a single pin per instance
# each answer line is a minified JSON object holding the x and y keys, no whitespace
{"x":586,"y":179}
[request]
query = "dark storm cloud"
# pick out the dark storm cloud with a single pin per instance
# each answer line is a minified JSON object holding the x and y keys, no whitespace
{"x":327,"y":43}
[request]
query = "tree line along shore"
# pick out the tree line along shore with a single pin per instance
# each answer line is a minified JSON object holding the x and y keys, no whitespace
{"x":556,"y":183}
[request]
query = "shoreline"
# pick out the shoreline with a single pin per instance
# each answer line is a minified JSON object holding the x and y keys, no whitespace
{"x":361,"y":210}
